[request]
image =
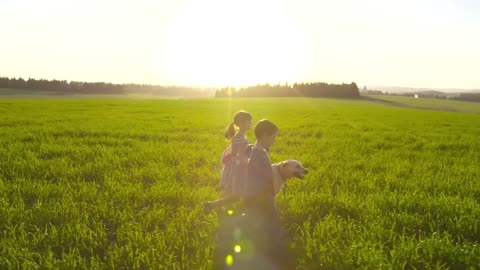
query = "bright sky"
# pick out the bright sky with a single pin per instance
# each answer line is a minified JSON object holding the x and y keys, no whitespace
{"x":416,"y":43}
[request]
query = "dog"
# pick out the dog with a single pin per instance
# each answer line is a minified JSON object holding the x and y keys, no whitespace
{"x":285,"y":170}
{"x":281,"y":172}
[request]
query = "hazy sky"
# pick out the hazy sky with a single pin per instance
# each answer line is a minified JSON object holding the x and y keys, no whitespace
{"x":421,"y":43}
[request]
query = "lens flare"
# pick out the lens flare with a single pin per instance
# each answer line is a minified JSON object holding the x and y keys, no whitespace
{"x":229,"y":260}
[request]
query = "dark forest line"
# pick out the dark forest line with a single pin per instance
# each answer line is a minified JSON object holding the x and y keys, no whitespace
{"x":316,"y":89}
{"x":74,"y":87}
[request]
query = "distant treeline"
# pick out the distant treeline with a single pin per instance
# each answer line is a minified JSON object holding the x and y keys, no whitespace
{"x":475,"y":97}
{"x":317,"y":89}
{"x":73,"y":87}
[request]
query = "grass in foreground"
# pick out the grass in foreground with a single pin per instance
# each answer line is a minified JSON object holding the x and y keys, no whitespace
{"x":112,"y":184}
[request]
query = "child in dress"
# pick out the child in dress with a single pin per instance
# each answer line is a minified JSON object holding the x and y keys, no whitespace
{"x":234,"y":160}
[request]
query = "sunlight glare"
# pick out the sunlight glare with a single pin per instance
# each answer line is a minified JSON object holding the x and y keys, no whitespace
{"x":239,"y":43}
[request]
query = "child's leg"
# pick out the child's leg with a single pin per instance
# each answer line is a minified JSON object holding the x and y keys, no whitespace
{"x":209,"y":206}
{"x":224,"y":200}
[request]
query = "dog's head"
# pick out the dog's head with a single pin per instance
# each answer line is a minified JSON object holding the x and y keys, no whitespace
{"x":293,"y":169}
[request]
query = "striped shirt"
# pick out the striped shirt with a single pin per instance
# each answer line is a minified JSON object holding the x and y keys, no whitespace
{"x":239,"y":144}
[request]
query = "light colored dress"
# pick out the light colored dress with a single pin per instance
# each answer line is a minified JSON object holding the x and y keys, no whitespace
{"x":235,"y":161}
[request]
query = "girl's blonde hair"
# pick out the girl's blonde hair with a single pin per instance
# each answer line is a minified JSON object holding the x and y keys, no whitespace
{"x":238,"y":118}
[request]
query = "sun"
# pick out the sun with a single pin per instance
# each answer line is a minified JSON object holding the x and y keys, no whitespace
{"x":231,"y":43}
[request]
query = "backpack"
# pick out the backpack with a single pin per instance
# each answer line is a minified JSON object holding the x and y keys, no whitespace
{"x":226,"y":156}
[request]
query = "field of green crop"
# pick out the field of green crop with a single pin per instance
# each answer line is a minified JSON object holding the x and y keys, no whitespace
{"x":119,"y":184}
{"x":430,"y":103}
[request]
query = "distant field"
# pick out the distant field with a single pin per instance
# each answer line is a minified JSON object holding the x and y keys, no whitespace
{"x":431,"y":103}
{"x":120,"y":183}
{"x":11,"y":93}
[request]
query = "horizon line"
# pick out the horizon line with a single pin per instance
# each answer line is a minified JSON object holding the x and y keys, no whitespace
{"x":286,"y":82}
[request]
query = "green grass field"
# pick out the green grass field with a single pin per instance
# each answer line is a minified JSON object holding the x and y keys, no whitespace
{"x":113,"y":184}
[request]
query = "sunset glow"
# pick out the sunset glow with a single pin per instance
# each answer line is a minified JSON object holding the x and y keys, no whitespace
{"x":217,"y":43}
{"x":230,"y":43}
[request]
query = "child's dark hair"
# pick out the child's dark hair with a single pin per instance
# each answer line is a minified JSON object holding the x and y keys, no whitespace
{"x":265,"y":127}
{"x":237,"y":119}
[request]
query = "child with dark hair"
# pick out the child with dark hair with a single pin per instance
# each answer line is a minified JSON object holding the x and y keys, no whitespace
{"x":259,"y":181}
{"x":234,"y":161}
{"x":263,"y":217}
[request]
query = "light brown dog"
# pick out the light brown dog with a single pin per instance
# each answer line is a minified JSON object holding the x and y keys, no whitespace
{"x":285,"y":170}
